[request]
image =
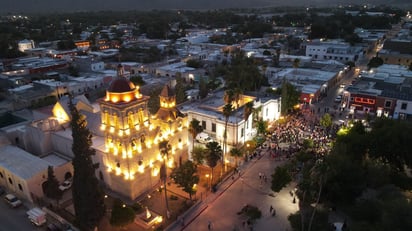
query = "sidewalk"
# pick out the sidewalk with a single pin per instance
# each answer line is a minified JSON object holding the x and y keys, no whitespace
{"x":190,"y":215}
{"x":221,"y":208}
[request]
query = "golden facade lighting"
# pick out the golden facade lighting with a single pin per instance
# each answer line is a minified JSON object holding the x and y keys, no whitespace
{"x":155,"y":172}
{"x":141,"y":168}
{"x":118,"y":171}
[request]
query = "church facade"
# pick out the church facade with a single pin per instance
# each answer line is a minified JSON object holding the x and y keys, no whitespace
{"x":132,"y":157}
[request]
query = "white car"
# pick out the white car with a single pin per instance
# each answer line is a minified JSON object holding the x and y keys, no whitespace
{"x":203,"y":138}
{"x":12,"y":200}
{"x":65,"y":185}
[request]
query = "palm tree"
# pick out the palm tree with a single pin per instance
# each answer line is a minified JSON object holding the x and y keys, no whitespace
{"x":256,"y":115}
{"x":194,"y":129}
{"x":247,"y":111}
{"x":227,"y":111}
{"x":237,"y":95}
{"x":318,"y":173}
{"x":229,"y":96}
{"x":236,"y":153}
{"x":164,"y":148}
{"x":214,"y":154}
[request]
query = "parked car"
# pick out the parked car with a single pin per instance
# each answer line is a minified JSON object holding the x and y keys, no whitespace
{"x":338,"y":98}
{"x":12,"y":200}
{"x":65,"y":185}
{"x":37,"y":216}
{"x":53,"y":227}
{"x":203,"y":138}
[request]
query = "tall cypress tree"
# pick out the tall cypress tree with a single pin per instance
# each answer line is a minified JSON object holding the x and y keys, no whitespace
{"x":88,"y":197}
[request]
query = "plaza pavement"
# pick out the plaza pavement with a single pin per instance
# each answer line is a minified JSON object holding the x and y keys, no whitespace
{"x":221,"y":208}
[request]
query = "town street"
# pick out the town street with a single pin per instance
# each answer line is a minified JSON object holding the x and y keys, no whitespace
{"x":247,"y":188}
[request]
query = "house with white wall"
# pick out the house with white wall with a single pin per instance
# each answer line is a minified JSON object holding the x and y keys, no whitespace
{"x":208,"y":112}
{"x":333,"y":50}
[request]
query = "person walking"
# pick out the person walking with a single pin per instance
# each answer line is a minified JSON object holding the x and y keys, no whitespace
{"x":209,"y":225}
{"x":271,"y":209}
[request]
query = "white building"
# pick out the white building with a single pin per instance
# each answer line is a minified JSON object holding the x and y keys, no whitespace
{"x":333,"y":50}
{"x":403,"y":109}
{"x":209,"y":112}
{"x":25,"y":45}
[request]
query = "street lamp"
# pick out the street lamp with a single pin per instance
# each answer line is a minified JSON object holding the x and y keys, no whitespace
{"x":208,"y":181}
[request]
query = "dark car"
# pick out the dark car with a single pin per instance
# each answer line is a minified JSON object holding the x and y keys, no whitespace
{"x":53,"y":227}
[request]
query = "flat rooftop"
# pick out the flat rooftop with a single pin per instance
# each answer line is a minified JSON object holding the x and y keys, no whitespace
{"x":20,"y":162}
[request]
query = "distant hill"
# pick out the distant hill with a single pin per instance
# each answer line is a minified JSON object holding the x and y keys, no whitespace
{"x":32,"y":6}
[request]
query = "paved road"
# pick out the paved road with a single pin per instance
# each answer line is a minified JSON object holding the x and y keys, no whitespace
{"x":15,"y":219}
{"x":222,"y":210}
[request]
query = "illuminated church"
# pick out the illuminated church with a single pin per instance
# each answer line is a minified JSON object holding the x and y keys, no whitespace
{"x":131,"y":155}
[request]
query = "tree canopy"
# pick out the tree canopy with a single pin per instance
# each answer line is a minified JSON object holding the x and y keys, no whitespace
{"x":121,"y":214}
{"x":186,"y":177}
{"x":51,"y":187}
{"x":88,"y":197}
{"x":290,"y":96}
{"x":243,"y":73}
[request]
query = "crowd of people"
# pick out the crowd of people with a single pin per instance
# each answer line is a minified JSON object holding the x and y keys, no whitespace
{"x":289,"y":136}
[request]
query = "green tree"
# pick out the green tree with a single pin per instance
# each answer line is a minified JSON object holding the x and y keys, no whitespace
{"x":164,"y":148}
{"x":351,"y":64}
{"x":153,"y":104}
{"x":326,"y":122}
{"x":180,"y":91}
{"x":121,"y":214}
{"x":229,"y":96}
{"x":137,"y":80}
{"x":193,"y":63}
{"x":227,"y":112}
{"x":375,"y":62}
{"x":203,"y":89}
{"x":186,"y":177}
{"x":236,"y":153}
{"x":389,"y":142}
{"x":199,"y":153}
{"x":318,"y":175}
{"x":290,"y":97}
{"x":194,"y":129}
{"x":243,"y":73}
{"x":237,"y":96}
{"x":280,"y":178}
{"x":51,"y":187}
{"x":261,"y":127}
{"x":66,"y":45}
{"x":213,"y":155}
{"x":73,"y":71}
{"x":88,"y":197}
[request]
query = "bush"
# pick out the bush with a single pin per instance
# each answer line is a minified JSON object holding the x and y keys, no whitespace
{"x":137,"y":207}
{"x":252,"y":212}
{"x":121,"y":215}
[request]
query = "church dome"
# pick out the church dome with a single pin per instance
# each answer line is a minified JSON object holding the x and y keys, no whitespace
{"x":120,"y":85}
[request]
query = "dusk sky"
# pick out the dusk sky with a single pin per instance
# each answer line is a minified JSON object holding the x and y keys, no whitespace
{"x":15,"y":6}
